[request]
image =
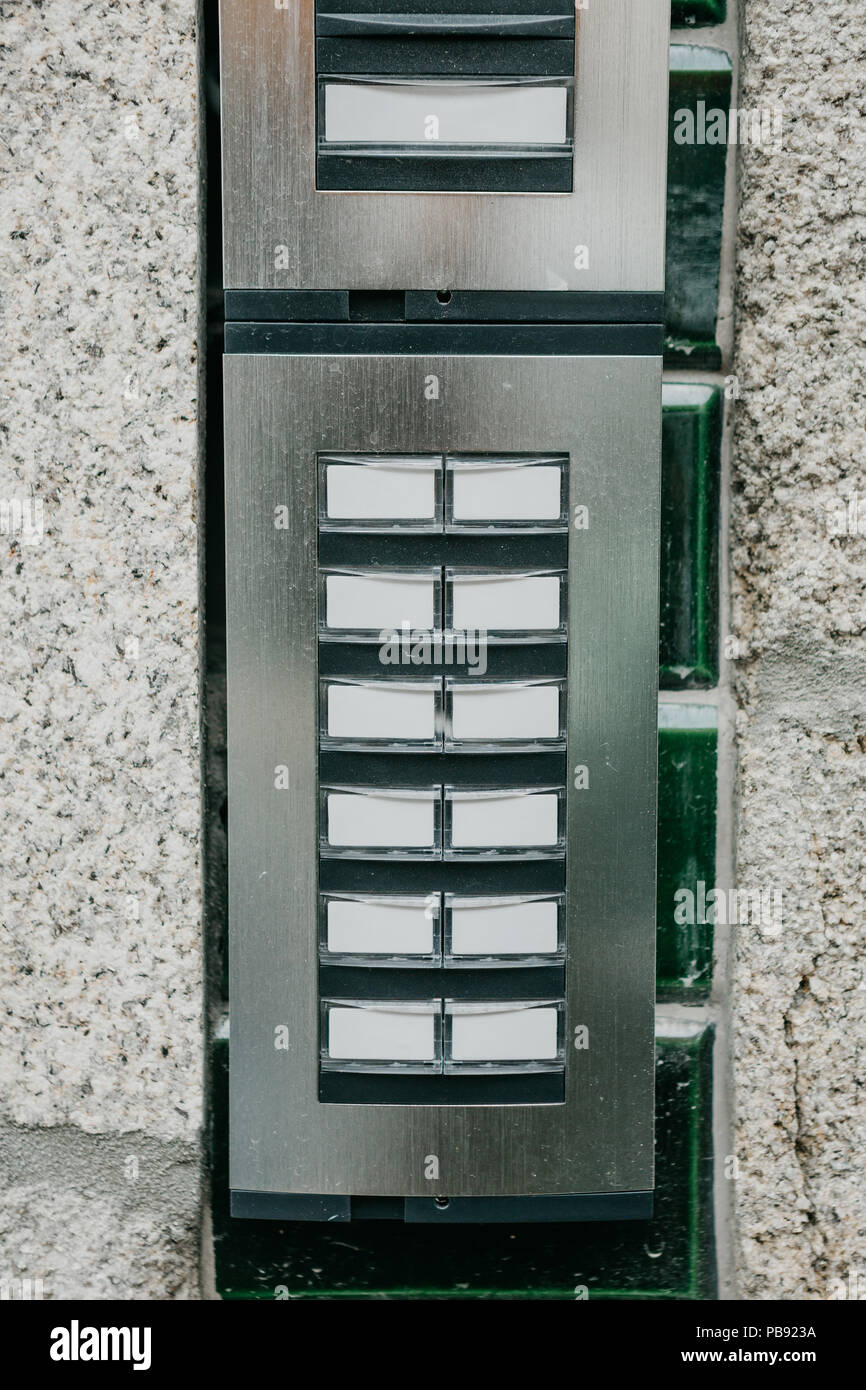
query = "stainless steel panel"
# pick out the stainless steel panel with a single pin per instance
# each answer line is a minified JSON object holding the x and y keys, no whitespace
{"x":281,"y":233}
{"x":280,"y":413}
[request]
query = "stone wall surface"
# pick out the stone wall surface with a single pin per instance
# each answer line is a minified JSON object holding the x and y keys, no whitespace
{"x":799,"y":998}
{"x":100,"y":980}
{"x":101,"y":233}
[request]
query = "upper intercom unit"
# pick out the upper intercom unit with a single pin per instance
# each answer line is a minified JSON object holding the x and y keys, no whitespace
{"x":420,"y":144}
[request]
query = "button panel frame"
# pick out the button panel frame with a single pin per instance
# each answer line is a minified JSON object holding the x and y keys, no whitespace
{"x":498,"y":960}
{"x":385,"y":464}
{"x":430,"y":904}
{"x":281,"y":413}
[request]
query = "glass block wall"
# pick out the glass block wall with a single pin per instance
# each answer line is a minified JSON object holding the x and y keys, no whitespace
{"x":674,"y":1255}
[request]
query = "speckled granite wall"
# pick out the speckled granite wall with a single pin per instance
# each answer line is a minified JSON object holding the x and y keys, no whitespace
{"x":101,"y":1063}
{"x":799,"y":1000}
{"x":101,"y":1072}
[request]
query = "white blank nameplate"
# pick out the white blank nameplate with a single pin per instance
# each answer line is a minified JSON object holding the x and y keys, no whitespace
{"x":504,"y":929}
{"x":500,"y":712}
{"x":520,"y":493}
{"x":383,"y":820}
{"x":503,"y":1034}
{"x":381,"y":490}
{"x":431,"y":113}
{"x":378,"y":928}
{"x":506,"y":603}
{"x":504,"y":821}
{"x":359,"y":602}
{"x":388,"y":710}
{"x":381,"y":1034}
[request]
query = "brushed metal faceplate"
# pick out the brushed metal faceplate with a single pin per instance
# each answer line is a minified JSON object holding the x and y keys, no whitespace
{"x":604,"y":412}
{"x":281,"y":233}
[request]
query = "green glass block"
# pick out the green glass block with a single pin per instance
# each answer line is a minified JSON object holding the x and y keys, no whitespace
{"x":688,"y":12}
{"x":700,"y":84}
{"x":689,"y":598}
{"x":686,"y":848}
{"x":669,"y":1257}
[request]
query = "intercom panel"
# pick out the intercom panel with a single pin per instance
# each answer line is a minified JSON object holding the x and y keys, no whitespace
{"x":507,"y":145}
{"x":442,"y":662}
